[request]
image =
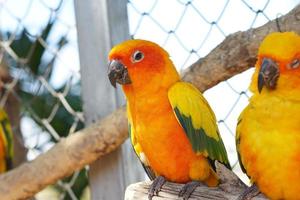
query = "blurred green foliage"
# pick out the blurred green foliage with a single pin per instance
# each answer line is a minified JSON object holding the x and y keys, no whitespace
{"x":36,"y":100}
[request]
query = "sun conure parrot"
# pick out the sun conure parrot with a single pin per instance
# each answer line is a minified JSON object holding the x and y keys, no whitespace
{"x":6,"y":143}
{"x":268,"y":131}
{"x":172,"y":128}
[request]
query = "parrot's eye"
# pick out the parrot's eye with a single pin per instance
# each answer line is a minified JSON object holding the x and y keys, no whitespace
{"x":137,"y":56}
{"x":294,"y":64}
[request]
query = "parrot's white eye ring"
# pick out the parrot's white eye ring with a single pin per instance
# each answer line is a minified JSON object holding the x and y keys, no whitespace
{"x":294,"y":64}
{"x":137,"y":56}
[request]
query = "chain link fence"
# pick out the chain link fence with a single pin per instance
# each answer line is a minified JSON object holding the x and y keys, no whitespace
{"x":39,"y":65}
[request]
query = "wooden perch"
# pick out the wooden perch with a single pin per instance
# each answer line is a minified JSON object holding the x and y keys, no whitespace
{"x":230,"y":189}
{"x":234,"y":55}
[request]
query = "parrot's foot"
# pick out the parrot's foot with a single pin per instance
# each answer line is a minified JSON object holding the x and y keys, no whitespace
{"x":249,"y":193}
{"x":188,"y":189}
{"x":156,"y":186}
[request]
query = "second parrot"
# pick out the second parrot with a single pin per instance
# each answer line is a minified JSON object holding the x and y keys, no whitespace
{"x":268,"y":131}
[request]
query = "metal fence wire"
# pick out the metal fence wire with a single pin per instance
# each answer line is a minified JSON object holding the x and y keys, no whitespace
{"x":39,"y":65}
{"x":39,"y":57}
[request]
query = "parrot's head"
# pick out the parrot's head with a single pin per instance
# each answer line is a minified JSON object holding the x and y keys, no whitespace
{"x":278,"y":65}
{"x":141,"y":64}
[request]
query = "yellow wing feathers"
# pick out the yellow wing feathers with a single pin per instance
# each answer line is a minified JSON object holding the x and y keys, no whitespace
{"x":191,"y":102}
{"x":6,"y":143}
{"x":238,"y":138}
{"x":198,"y":120}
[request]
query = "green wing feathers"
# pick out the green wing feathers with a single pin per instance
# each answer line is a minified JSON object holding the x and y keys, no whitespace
{"x":6,"y":137}
{"x":198,"y":120}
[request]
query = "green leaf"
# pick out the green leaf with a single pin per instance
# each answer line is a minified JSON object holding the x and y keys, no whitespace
{"x":37,"y":50}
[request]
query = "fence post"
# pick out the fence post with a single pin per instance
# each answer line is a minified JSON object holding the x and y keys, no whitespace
{"x":100,"y":25}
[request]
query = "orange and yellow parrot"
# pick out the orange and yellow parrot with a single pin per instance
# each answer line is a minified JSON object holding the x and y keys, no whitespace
{"x":268,"y":131}
{"x":6,"y":143}
{"x":172,"y":128}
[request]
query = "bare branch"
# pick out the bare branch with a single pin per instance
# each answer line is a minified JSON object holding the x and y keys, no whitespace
{"x":234,"y":55}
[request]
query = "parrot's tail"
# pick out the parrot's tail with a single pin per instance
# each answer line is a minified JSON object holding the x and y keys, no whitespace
{"x":212,"y":180}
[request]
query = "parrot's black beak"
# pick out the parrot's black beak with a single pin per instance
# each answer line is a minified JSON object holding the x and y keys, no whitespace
{"x":268,"y":74}
{"x":118,"y":73}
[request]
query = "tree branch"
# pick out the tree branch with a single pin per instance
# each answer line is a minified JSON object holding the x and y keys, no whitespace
{"x":234,"y":55}
{"x":69,"y":154}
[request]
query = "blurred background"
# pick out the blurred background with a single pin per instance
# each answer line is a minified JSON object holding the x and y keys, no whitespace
{"x":40,"y":69}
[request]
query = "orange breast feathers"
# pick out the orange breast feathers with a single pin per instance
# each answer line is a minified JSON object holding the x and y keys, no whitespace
{"x":164,"y":142}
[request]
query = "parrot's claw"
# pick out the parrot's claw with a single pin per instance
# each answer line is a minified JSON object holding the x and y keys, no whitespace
{"x":188,"y":189}
{"x":156,"y":186}
{"x":249,"y":193}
